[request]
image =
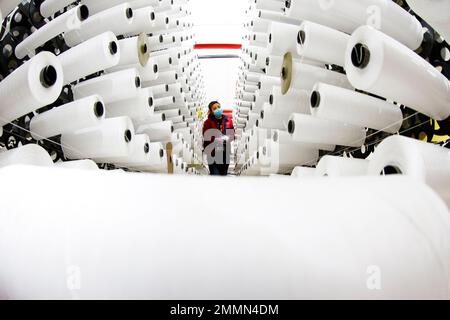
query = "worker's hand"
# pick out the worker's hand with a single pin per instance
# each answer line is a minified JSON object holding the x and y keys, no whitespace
{"x":218,"y":140}
{"x":222,"y":139}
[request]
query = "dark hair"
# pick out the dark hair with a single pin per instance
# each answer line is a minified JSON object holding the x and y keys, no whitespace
{"x":211,"y":104}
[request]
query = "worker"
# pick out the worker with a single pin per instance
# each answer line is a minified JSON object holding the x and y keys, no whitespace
{"x":218,"y":133}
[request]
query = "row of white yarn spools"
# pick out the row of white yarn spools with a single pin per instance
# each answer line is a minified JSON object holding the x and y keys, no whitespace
{"x":290,"y":104}
{"x":148,"y":95}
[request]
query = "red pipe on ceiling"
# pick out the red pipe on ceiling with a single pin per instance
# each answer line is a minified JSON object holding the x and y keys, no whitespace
{"x":201,"y":46}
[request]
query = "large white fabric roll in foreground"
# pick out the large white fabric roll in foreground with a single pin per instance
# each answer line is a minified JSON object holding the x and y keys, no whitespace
{"x":120,"y":238}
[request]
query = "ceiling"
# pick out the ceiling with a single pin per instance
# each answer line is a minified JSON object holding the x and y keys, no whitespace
{"x":219,"y":21}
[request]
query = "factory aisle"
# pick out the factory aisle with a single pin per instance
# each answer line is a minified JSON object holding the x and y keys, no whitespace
{"x":339,"y":177}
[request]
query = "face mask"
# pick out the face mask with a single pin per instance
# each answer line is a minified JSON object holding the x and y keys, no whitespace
{"x":218,"y":113}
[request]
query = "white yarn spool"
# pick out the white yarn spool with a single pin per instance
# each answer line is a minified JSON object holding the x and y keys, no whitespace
{"x":160,"y":132}
{"x":171,"y":113}
{"x":318,"y":42}
{"x":80,"y":114}
{"x":284,"y":137}
{"x":187,"y":134}
{"x":149,"y":73}
{"x":250,"y":88}
{"x":66,"y":22}
{"x":158,"y":168}
{"x":161,"y":23}
{"x":381,"y":65}
{"x":164,"y":61}
{"x":246,"y":96}
{"x":177,"y":104}
{"x":422,"y":161}
{"x":157,"y":155}
{"x":35,"y":84}
{"x":137,"y":4}
{"x":103,"y":52}
{"x":259,"y":105}
{"x":253,"y":77}
{"x":305,"y":76}
{"x":115,"y":19}
{"x":308,"y":129}
{"x":159,"y":91}
{"x":111,"y":139}
{"x":295,"y":101}
{"x":284,"y":158}
{"x":134,"y":50}
{"x":139,"y":153}
{"x":435,"y":13}
{"x":170,"y":100}
{"x":167,"y":77}
{"x":282,"y":39}
{"x":244,"y":110}
{"x":154,"y":118}
{"x":334,"y":103}
{"x":269,"y":5}
{"x":331,"y":166}
{"x":143,"y":21}
{"x":50,"y":7}
{"x":266,"y":83}
{"x":174,"y":89}
{"x":260,"y":39}
{"x":278,"y":17}
{"x":138,"y":107}
{"x":272,"y":120}
{"x":178,"y":120}
{"x":112,"y":87}
{"x":274,"y":64}
{"x":348,"y":15}
{"x":96,"y":6}
{"x":259,"y":25}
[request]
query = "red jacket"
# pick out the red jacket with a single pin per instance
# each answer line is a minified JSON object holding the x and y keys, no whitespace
{"x":224,"y":125}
